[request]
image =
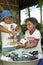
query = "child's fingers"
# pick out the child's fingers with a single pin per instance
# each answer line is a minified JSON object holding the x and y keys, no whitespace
{"x":26,"y":47}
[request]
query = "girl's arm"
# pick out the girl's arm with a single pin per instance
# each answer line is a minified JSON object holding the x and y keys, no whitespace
{"x":20,"y":44}
{"x":2,"y":29}
{"x":13,"y":32}
{"x":33,"y":44}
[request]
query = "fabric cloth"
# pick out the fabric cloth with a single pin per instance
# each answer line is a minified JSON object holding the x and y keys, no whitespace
{"x":40,"y":62}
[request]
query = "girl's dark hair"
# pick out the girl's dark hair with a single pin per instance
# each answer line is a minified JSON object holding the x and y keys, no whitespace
{"x":34,"y":21}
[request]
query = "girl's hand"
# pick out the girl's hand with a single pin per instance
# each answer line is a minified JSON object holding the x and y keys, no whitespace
{"x":26,"y":47}
{"x":26,"y":44}
{"x":11,"y":37}
{"x":20,"y":44}
{"x":13,"y":32}
{"x":18,"y":29}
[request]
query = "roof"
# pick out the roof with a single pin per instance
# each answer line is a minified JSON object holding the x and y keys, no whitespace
{"x":17,"y":4}
{"x":27,"y":3}
{"x":9,"y":4}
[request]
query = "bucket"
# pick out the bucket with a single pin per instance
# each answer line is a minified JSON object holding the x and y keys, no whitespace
{"x":32,"y":62}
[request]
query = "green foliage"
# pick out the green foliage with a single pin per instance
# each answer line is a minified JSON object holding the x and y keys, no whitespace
{"x":40,"y":3}
{"x":23,"y":26}
{"x":0,"y":46}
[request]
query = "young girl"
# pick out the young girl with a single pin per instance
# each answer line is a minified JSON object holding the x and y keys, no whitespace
{"x":8,"y":32}
{"x":32,"y":35}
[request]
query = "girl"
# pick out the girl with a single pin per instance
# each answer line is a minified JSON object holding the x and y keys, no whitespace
{"x":32,"y":35}
{"x":8,"y":32}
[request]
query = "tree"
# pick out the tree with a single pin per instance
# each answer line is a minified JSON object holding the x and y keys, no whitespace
{"x":40,"y":5}
{"x":28,"y":12}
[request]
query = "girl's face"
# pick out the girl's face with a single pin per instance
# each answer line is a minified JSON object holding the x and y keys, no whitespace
{"x":30,"y":26}
{"x":8,"y":20}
